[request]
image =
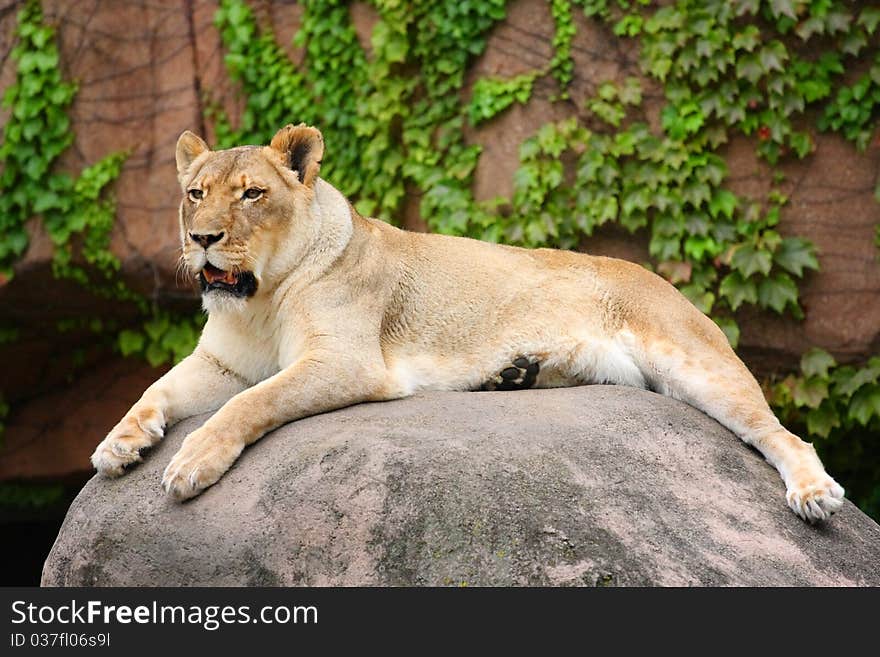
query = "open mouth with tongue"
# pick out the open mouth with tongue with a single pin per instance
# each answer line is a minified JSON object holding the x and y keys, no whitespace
{"x":239,"y":284}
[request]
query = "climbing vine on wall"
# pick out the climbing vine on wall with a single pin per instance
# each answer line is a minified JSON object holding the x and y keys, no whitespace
{"x":388,"y":128}
{"x":839,"y":405}
{"x":36,"y":134}
{"x":78,"y":212}
{"x":163,"y":337}
{"x":492,"y":96}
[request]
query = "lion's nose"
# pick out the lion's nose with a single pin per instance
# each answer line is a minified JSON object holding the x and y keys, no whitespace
{"x":206,"y":239}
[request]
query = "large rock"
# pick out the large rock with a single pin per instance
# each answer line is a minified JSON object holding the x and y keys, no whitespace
{"x":581,"y":486}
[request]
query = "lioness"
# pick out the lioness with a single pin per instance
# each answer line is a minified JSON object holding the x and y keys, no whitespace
{"x":312,"y":307}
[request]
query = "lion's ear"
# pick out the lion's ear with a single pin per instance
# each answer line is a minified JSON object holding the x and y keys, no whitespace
{"x":189,"y":147}
{"x":302,"y":147}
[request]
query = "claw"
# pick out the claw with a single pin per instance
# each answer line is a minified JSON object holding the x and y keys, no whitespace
{"x":815,"y":502}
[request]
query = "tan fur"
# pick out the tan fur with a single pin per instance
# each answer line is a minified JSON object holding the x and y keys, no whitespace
{"x":350,"y":309}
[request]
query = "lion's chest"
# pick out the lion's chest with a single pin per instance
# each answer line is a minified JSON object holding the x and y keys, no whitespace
{"x":253,"y":349}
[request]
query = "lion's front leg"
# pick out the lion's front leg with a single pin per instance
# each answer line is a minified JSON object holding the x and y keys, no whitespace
{"x":195,"y":385}
{"x":317,"y":383}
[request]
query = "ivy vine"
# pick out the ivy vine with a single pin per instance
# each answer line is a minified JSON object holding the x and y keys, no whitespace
{"x":36,"y":134}
{"x":77,"y":213}
{"x":839,"y":404}
{"x":492,"y":96}
{"x":562,"y":65}
{"x":406,"y":131}
{"x":163,"y":337}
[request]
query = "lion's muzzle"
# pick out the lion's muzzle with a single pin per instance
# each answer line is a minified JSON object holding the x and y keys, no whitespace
{"x":239,"y":284}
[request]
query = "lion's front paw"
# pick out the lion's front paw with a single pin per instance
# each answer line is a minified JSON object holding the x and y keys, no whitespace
{"x":203,"y":458}
{"x":815,"y":498}
{"x":137,"y":431}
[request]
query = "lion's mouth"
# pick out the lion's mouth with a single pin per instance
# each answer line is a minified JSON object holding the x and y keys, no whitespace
{"x":240,"y":284}
{"x":213,"y":274}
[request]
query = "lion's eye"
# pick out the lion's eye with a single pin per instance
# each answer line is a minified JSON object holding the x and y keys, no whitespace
{"x":195,"y":194}
{"x":253,"y":192}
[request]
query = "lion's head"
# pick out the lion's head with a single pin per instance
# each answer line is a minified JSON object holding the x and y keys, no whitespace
{"x":245,"y":210}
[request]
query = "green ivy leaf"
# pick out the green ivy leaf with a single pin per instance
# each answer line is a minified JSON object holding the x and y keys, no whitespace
{"x":45,"y":201}
{"x":838,"y":21}
{"x":749,"y":67}
{"x":738,"y":290}
{"x":156,"y":354}
{"x":773,"y":56}
{"x":630,"y":25}
{"x":846,"y":386}
{"x":747,"y":7}
{"x":810,"y":392}
{"x":723,"y":203}
{"x":747,"y":39}
{"x":749,"y":260}
{"x":680,"y":121}
{"x":491,"y":96}
{"x":130,"y":342}
{"x":816,"y":362}
{"x":781,"y":8}
{"x":631,"y":92}
{"x":801,"y":143}
{"x":809,"y":27}
{"x":777,"y":292}
{"x":869,"y":18}
{"x":665,"y":247}
{"x":611,"y":113}
{"x":865,"y":405}
{"x":853,"y":43}
{"x":796,"y":254}
{"x":699,"y":296}
{"x":823,"y":420}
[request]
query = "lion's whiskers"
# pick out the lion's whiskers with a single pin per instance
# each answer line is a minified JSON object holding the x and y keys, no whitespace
{"x":180,"y":268}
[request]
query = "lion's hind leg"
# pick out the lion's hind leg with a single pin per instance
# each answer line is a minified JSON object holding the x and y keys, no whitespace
{"x":719,"y":384}
{"x":520,"y":374}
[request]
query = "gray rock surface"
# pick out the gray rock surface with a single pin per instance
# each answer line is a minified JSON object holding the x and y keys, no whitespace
{"x":597,"y":485}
